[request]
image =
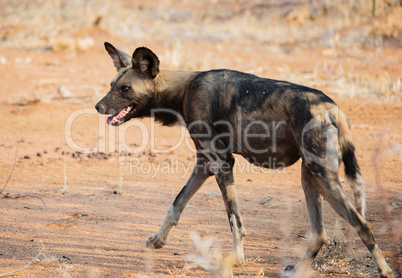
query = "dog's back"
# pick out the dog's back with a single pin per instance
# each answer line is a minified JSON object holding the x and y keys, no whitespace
{"x":259,"y":118}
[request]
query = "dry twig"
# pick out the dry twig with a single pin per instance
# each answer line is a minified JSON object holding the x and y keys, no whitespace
{"x":12,"y":170}
{"x":21,"y":194}
{"x":25,"y":266}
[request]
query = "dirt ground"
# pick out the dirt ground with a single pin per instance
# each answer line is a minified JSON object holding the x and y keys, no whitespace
{"x":89,"y":205}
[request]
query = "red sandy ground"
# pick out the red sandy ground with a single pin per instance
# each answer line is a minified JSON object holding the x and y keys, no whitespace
{"x":88,"y":230}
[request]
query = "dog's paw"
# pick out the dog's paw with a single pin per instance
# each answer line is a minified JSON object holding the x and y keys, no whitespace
{"x":387,"y":274}
{"x":288,"y":271}
{"x":154,"y":243}
{"x":238,"y":259}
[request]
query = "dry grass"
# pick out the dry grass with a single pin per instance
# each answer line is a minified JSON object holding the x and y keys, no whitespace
{"x":208,"y":256}
{"x":338,"y":260}
{"x":313,"y":23}
{"x":70,"y":26}
{"x":382,"y":86}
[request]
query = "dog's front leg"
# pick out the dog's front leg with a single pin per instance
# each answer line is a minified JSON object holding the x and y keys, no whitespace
{"x":225,"y":179}
{"x":221,"y":165}
{"x":229,"y":195}
{"x":196,"y":180}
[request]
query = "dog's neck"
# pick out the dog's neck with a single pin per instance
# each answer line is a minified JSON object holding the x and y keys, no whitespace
{"x":170,"y":91}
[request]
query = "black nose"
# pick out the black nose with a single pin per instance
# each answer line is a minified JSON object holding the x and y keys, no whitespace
{"x":100,"y":107}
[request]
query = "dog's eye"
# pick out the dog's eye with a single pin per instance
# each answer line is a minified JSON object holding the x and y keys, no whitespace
{"x":125,"y":89}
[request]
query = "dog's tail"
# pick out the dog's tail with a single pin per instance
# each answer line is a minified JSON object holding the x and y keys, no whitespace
{"x":352,"y":168}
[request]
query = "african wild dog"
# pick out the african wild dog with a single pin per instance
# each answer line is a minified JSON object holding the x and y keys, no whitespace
{"x":230,"y":112}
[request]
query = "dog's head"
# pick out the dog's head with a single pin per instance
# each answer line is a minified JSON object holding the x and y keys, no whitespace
{"x":133,"y":87}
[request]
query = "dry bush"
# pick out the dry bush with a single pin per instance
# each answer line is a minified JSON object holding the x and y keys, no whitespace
{"x":60,"y":23}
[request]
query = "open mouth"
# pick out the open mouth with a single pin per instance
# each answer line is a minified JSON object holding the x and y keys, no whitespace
{"x":120,"y":117}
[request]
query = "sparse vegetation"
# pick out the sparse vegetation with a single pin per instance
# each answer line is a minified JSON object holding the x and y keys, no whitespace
{"x":72,"y":25}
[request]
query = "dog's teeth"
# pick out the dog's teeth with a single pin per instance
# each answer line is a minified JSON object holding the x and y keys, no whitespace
{"x":118,"y":118}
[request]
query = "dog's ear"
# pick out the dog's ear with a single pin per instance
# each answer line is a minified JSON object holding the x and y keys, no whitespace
{"x":145,"y":61}
{"x":120,"y":59}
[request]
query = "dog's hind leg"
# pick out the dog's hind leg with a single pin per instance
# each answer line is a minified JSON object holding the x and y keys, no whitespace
{"x":318,"y":235}
{"x":321,"y":156}
{"x":198,"y":176}
{"x":332,"y":191}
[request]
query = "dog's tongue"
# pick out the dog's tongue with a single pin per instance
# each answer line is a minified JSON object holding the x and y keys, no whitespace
{"x":110,"y":120}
